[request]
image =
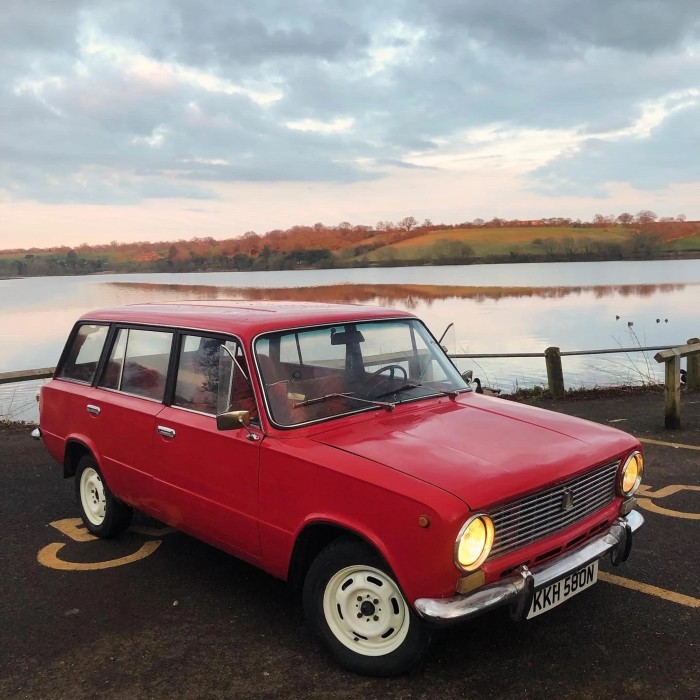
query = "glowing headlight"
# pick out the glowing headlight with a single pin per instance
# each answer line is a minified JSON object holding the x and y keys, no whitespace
{"x":630,"y":475}
{"x":474,"y":542}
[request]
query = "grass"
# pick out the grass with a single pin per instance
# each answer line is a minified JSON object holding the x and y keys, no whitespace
{"x":503,"y":241}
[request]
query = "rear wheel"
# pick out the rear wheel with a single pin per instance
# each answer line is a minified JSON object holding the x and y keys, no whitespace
{"x":101,"y":512}
{"x":356,"y":607}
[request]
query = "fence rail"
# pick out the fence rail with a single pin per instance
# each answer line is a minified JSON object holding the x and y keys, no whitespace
{"x":669,"y":354}
{"x":551,"y":355}
{"x":26,"y":375}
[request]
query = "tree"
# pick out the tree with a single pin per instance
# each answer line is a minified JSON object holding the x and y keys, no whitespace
{"x":72,"y":260}
{"x":625,"y":218}
{"x":645,"y":217}
{"x":407,"y":223}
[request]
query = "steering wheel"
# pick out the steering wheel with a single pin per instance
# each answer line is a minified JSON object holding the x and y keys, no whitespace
{"x":391,"y":369}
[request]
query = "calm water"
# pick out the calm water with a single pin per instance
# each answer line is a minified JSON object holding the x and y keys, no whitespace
{"x":494,"y":309}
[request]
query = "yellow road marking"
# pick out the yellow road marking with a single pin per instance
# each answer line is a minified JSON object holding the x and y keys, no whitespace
{"x":679,"y":598}
{"x":669,"y":444}
{"x":73,"y":528}
{"x":665,"y":491}
{"x":48,"y":556}
{"x":644,"y":494}
{"x":646,"y":504}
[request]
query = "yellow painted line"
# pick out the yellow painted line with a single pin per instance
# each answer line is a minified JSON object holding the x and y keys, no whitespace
{"x":665,"y":491}
{"x":646,"y":504}
{"x":669,"y":444}
{"x":679,"y":598}
{"x":73,"y":528}
{"x":48,"y":556}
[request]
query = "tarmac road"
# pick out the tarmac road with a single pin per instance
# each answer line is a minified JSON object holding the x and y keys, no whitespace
{"x":178,"y":619}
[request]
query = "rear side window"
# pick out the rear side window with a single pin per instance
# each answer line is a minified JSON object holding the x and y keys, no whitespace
{"x":138,"y":363}
{"x":84,"y":353}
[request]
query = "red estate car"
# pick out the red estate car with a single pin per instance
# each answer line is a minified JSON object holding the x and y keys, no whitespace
{"x":338,"y":447}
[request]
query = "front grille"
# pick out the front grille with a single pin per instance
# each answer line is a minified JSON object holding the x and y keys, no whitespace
{"x":542,"y":514}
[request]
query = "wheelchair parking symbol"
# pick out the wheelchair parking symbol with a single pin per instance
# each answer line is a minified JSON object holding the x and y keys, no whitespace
{"x":646,"y":500}
{"x":74,"y":529}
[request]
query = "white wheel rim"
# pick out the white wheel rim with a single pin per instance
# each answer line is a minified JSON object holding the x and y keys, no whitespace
{"x":92,"y":496}
{"x":366,"y":611}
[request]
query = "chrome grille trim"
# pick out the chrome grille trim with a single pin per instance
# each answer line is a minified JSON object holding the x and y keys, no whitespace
{"x":540,"y":515}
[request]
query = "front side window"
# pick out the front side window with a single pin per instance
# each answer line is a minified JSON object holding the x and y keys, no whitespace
{"x":212,"y":377}
{"x":319,"y":373}
{"x":138,"y":363}
{"x":84,"y":353}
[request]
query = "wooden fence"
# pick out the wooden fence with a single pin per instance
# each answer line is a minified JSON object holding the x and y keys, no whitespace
{"x":670,"y":355}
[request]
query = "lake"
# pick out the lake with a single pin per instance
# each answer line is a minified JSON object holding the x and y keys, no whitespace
{"x":517,"y":308}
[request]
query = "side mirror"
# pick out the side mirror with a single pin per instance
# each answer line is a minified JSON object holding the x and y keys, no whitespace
{"x":467,"y":376}
{"x":233,"y":420}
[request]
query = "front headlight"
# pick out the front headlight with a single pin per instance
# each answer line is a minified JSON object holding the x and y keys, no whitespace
{"x":474,"y":542}
{"x":630,"y":475}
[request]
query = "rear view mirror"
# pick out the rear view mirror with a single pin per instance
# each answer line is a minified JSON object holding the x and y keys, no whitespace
{"x":346,"y":337}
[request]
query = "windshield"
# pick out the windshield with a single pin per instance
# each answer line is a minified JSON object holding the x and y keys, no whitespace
{"x":319,"y":373}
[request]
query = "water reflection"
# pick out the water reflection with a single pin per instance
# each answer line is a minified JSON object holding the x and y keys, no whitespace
{"x":389,"y":294}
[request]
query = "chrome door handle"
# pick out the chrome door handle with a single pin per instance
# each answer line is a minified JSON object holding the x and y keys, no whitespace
{"x":95,"y":410}
{"x":166,"y":432}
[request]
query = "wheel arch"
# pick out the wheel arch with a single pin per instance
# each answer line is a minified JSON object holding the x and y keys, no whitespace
{"x":75,"y":450}
{"x":312,"y":539}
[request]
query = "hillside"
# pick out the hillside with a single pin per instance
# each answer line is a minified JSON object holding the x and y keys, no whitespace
{"x":345,"y":245}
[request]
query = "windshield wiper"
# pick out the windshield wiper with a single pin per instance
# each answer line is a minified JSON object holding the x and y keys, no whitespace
{"x":345,"y":395}
{"x":405,"y":387}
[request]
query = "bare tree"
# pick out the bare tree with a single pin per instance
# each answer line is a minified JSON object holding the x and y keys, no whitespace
{"x":408,"y":223}
{"x":645,"y":217}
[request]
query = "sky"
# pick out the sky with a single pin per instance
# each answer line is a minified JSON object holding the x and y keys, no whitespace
{"x":168,"y":119}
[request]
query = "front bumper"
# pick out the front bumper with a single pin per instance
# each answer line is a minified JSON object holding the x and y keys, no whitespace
{"x":518,"y":589}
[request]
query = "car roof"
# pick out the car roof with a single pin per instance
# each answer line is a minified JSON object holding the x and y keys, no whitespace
{"x":238,"y":316}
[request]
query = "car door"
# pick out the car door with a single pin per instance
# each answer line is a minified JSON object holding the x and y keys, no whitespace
{"x":206,"y":480}
{"x":128,"y":397}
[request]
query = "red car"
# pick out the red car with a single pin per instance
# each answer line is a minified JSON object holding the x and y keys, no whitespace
{"x":338,"y":447}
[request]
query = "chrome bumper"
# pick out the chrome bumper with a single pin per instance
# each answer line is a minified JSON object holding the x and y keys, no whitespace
{"x":36,"y":434}
{"x":518,"y":589}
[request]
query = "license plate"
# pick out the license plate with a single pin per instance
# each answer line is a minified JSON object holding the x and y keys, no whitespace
{"x":550,"y":596}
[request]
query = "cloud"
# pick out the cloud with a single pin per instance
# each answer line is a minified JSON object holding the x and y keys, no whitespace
{"x":666,"y":155}
{"x":121,"y":102}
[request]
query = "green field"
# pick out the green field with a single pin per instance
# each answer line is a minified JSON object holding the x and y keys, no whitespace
{"x":522,"y":240}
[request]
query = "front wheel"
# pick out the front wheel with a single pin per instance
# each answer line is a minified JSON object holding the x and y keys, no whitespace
{"x":357,"y":609}
{"x":101,"y":512}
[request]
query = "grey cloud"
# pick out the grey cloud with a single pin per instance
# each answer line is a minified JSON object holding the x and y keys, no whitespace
{"x":461,"y":64}
{"x":566,"y":27}
{"x":668,"y":155}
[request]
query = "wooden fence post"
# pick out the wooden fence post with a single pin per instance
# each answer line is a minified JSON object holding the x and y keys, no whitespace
{"x":555,"y":374}
{"x":672,"y":393}
{"x":692,"y":376}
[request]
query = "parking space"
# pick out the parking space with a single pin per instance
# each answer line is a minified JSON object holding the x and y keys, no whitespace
{"x":158,"y":614}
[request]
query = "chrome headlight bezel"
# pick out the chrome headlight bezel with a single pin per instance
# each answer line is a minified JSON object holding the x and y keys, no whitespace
{"x":635,"y":460}
{"x":488,"y":537}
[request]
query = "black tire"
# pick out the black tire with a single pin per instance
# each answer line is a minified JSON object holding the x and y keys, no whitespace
{"x":103,"y":515}
{"x":354,"y":605}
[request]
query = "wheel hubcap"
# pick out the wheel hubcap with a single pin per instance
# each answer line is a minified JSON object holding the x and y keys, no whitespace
{"x":92,"y":496}
{"x":366,"y":611}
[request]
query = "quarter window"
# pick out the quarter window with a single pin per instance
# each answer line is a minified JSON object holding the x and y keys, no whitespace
{"x":84,"y":353}
{"x":213,"y":380}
